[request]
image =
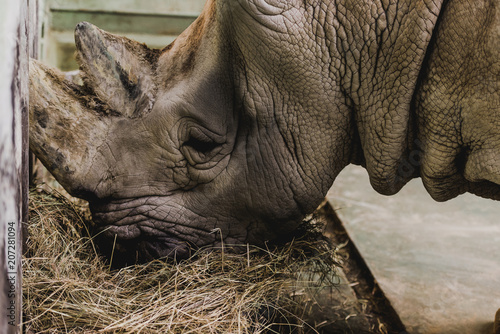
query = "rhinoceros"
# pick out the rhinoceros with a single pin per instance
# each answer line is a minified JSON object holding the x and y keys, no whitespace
{"x":242,"y":124}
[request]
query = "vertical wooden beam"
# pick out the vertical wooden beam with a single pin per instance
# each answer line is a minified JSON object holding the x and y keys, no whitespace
{"x":14,"y":58}
{"x":33,"y":30}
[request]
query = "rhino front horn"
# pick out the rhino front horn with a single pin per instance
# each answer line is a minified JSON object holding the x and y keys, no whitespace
{"x":119,"y":70}
{"x":64,"y":132}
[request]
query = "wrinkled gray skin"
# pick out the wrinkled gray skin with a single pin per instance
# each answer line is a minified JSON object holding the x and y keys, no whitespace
{"x":243,"y":123}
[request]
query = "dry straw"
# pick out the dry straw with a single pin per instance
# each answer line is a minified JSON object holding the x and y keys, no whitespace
{"x":69,"y":288}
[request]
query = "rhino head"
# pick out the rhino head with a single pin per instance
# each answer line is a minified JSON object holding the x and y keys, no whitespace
{"x":165,"y":147}
{"x":242,"y":124}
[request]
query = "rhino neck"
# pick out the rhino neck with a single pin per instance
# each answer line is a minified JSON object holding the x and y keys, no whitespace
{"x":338,"y":84}
{"x":380,"y":56}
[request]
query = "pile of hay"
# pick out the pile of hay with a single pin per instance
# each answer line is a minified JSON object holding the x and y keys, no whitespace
{"x":69,"y":288}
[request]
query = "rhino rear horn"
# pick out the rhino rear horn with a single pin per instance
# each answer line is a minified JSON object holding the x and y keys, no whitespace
{"x":119,"y":70}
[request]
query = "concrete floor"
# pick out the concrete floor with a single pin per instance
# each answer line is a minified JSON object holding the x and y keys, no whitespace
{"x":438,"y":263}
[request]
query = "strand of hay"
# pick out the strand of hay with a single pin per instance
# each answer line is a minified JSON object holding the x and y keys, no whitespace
{"x":69,"y":288}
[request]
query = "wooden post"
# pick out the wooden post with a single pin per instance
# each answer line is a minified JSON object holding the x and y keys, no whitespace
{"x":14,"y":55}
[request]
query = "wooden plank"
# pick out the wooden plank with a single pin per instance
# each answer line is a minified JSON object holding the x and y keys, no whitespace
{"x":158,"y":24}
{"x":171,"y":7}
{"x":33,"y":47}
{"x":14,"y":38}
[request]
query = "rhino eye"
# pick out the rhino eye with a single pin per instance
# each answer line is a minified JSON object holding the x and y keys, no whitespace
{"x":202,"y":145}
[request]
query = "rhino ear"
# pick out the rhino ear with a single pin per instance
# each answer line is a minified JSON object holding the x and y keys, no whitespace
{"x":119,"y":70}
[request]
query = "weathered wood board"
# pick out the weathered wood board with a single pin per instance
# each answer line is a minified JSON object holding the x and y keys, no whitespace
{"x":17,"y":19}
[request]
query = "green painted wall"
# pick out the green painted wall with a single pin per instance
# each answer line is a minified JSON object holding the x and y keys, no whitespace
{"x":154,"y":22}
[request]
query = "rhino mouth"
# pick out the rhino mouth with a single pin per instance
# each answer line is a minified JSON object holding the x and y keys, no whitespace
{"x":121,"y":252}
{"x":130,"y":231}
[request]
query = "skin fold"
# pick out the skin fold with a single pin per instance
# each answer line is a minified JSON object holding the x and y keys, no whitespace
{"x":238,"y":129}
